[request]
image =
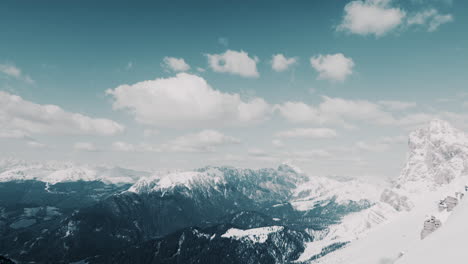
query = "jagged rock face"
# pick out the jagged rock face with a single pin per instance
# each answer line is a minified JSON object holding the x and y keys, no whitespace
{"x":430,"y":225}
{"x":438,"y":154}
{"x":397,"y":201}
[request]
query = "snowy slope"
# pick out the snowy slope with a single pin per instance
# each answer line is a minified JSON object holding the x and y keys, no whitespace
{"x":447,"y":245}
{"x":256,"y":235}
{"x":436,"y":168}
{"x":318,"y":189}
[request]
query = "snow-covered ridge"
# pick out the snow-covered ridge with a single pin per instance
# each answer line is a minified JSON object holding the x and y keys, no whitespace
{"x":213,"y":177}
{"x":304,"y":192}
{"x":256,"y":235}
{"x":53,"y":172}
{"x":436,"y":167}
{"x":310,"y":193}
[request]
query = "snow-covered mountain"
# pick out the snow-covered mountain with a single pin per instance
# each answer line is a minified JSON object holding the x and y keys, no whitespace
{"x":436,"y":173}
{"x":303,"y":192}
{"x":284,"y":200}
{"x":54,"y":172}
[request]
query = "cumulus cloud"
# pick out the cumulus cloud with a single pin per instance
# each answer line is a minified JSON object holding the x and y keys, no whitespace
{"x":175,"y":64}
{"x":85,"y":146}
{"x":334,"y":67}
{"x":15,"y":72}
{"x":21,"y":118}
{"x":378,"y":17}
{"x":308,"y":133}
{"x":204,"y":141}
{"x":431,"y":19}
{"x":349,"y":113}
{"x":369,"y":17}
{"x":334,"y":111}
{"x":234,"y":62}
{"x":186,"y":100}
{"x":280,"y":63}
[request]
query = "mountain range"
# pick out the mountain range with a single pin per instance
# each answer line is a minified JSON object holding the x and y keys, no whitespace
{"x":54,"y":212}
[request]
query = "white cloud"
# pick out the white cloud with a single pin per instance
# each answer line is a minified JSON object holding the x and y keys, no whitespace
{"x":334,"y":67}
{"x":204,"y":141}
{"x":397,"y":105}
{"x":15,"y":72}
{"x":35,"y":144}
{"x":376,"y":147}
{"x":298,"y":112}
{"x":429,"y":18}
{"x":234,"y":62}
{"x":186,"y":100}
{"x":85,"y":146}
{"x":257,"y":152}
{"x":123,"y":146}
{"x":200,"y":69}
{"x":19,"y":116}
{"x":175,"y":64}
{"x":334,"y":111}
{"x":280,"y":63}
{"x":13,"y":133}
{"x":150,"y":132}
{"x":277,"y":143}
{"x":339,"y":111}
{"x":371,"y":17}
{"x":381,"y":145}
{"x":394,"y":140}
{"x":308,"y":133}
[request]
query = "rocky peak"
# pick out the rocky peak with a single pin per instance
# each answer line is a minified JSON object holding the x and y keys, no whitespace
{"x":437,"y":153}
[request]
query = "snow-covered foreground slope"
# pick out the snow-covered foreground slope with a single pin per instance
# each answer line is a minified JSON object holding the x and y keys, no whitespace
{"x":447,"y":245}
{"x":437,"y":167}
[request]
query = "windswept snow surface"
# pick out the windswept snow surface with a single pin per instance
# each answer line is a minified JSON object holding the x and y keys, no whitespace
{"x":256,"y":235}
{"x":446,"y":245}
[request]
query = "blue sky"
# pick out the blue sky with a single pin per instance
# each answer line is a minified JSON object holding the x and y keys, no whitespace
{"x":380,"y":69}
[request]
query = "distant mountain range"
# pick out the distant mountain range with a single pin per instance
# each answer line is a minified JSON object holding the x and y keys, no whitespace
{"x":62,"y":213}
